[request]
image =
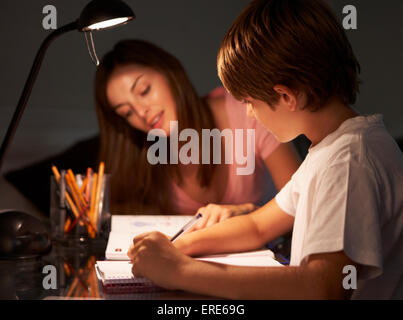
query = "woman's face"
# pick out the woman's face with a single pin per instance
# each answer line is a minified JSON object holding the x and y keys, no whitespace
{"x":142,"y":96}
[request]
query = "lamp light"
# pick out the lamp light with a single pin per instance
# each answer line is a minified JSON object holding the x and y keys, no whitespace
{"x":104,"y":14}
{"x":97,"y":15}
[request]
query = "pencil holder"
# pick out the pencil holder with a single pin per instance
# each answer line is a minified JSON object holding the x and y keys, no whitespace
{"x":79,"y":210}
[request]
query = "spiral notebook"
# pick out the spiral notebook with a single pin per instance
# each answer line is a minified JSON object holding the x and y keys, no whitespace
{"x":115,"y":274}
{"x":117,"y":277}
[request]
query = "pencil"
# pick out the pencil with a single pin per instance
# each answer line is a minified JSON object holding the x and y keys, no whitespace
{"x":89,"y":278}
{"x":93,"y":194}
{"x":77,"y":189}
{"x":67,"y":225}
{"x":77,"y":195}
{"x":78,"y":215}
{"x":88,"y":186}
{"x":98,"y":192}
{"x":74,"y":195}
{"x":57,"y":175}
{"x":66,"y":269}
{"x":88,"y":223}
{"x":72,"y":287}
{"x":74,"y":201}
{"x":81,"y":204}
{"x":84,"y":187}
{"x":95,"y":277}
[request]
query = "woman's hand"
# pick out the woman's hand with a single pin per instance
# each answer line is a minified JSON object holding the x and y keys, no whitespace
{"x":154,"y":257}
{"x":214,"y":213}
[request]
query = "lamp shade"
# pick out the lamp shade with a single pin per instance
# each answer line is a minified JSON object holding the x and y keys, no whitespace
{"x":103,"y":14}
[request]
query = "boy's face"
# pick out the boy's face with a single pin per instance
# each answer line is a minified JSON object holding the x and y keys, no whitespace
{"x":278,"y":120}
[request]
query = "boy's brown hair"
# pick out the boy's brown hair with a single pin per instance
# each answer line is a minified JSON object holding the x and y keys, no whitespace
{"x":296,"y":43}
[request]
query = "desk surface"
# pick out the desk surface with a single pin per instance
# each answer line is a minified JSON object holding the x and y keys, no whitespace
{"x":76,"y":278}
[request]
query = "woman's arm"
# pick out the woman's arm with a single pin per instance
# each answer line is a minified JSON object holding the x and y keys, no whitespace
{"x":240,"y":233}
{"x":214,"y":213}
{"x":282,"y":163}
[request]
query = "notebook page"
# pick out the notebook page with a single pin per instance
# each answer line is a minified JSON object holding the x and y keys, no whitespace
{"x":125,"y":228}
{"x":259,"y":258}
{"x":122,"y":270}
{"x":144,"y":223}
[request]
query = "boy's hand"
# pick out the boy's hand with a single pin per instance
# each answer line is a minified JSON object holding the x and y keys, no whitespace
{"x":214,"y":213}
{"x":154,"y":257}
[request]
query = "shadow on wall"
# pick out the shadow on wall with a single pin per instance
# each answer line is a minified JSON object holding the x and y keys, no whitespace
{"x":33,"y":181}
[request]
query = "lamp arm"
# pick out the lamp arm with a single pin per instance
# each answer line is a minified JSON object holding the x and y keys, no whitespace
{"x":29,"y":85}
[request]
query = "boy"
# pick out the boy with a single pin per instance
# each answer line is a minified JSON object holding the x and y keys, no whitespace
{"x":294,"y":67}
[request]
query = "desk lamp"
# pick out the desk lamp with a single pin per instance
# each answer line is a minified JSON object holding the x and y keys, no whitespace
{"x":22,"y":235}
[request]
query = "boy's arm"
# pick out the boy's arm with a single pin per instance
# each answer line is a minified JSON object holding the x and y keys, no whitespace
{"x":320,"y":277}
{"x":240,"y":233}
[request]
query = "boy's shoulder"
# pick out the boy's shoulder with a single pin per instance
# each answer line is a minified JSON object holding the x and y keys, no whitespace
{"x":360,"y":142}
{"x":369,"y":143}
{"x":357,"y":139}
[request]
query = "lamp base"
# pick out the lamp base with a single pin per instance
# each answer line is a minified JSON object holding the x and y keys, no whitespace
{"x":22,"y":236}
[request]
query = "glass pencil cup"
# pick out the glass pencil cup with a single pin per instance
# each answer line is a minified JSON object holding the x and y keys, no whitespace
{"x":79,"y":210}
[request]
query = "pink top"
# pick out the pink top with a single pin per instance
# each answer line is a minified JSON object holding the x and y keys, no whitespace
{"x":257,"y":187}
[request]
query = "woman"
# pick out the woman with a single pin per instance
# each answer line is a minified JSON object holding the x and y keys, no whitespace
{"x":140,"y":87}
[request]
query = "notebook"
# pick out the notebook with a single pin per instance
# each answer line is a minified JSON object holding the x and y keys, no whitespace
{"x":125,"y":228}
{"x":116,"y":275}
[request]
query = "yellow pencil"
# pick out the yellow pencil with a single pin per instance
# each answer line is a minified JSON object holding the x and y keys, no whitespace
{"x":76,"y":189}
{"x":88,"y":186}
{"x":93,"y":195}
{"x":77,"y":215}
{"x":68,"y":198}
{"x":56,"y":174}
{"x":98,"y":192}
{"x":84,"y":186}
{"x":67,"y":224}
{"x":90,"y":227}
{"x":73,"y":193}
{"x":72,"y":287}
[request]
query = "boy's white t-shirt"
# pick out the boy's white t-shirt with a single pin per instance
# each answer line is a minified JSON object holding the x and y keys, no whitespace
{"x":348,"y":195}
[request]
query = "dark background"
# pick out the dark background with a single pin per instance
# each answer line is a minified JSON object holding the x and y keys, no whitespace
{"x":60,"y":111}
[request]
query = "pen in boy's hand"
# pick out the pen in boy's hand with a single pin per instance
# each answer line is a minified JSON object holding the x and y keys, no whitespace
{"x":186,"y":227}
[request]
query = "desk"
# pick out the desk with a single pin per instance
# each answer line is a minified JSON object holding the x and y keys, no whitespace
{"x":23,"y":279}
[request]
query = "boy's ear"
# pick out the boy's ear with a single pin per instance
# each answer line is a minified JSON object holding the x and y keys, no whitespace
{"x":287,"y":97}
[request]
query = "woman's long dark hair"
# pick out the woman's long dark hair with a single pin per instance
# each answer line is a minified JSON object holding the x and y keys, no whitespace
{"x":136,"y":185}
